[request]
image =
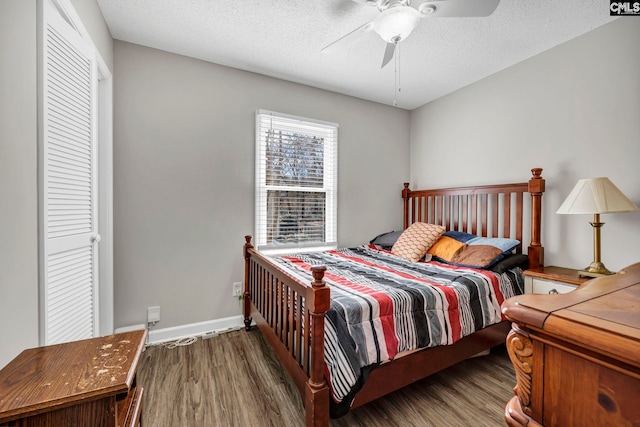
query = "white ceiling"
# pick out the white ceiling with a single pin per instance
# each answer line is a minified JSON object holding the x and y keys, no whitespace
{"x":284,"y":38}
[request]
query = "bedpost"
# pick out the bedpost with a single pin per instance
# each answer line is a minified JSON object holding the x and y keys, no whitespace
{"x":317,"y":390}
{"x":245,"y":296}
{"x":536,"y":188}
{"x":405,"y":196}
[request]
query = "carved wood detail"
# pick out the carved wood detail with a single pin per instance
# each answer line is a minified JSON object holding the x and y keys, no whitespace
{"x":515,"y":417}
{"x":520,"y":350}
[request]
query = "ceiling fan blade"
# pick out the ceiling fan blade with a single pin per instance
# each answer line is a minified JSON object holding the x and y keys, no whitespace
{"x":458,"y":8}
{"x":388,"y":53}
{"x":348,"y":37}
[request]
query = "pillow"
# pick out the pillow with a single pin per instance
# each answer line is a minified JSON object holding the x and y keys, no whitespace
{"x":460,"y":236}
{"x":415,"y":241}
{"x":507,"y":245}
{"x":479,"y":256}
{"x":489,"y":250}
{"x":446,"y":248}
{"x":386,"y":240}
{"x":511,"y":261}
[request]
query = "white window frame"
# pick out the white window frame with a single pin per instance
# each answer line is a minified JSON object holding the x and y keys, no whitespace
{"x":329,"y":131}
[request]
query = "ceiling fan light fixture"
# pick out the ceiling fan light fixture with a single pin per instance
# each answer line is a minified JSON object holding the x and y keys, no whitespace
{"x":396,"y":23}
{"x":427,"y":9}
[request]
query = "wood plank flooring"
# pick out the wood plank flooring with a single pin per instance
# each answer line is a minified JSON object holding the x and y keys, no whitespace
{"x":234,"y":379}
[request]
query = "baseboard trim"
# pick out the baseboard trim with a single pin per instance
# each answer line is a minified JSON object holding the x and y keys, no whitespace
{"x":207,"y":329}
{"x":122,"y":329}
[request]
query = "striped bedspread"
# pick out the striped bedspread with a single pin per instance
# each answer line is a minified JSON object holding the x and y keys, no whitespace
{"x":382,"y":305}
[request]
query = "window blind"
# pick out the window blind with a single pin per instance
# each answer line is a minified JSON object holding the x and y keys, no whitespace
{"x":296,"y":182}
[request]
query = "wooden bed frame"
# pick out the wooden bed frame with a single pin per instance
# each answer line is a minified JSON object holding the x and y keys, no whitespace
{"x":273,"y":298}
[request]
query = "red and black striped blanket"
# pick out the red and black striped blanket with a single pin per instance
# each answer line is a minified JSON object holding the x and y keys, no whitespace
{"x":382,"y":305}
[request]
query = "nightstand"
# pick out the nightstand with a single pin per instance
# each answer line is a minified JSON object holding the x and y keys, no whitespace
{"x":82,"y":383}
{"x":552,"y":280}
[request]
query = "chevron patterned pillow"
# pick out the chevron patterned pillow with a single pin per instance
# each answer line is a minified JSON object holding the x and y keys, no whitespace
{"x":415,"y":241}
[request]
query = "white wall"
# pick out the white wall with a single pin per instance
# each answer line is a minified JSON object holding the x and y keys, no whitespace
{"x":573,"y":111}
{"x":18,"y":167}
{"x":184,"y":177}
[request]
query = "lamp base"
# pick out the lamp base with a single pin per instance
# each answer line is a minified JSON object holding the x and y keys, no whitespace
{"x":596,"y":269}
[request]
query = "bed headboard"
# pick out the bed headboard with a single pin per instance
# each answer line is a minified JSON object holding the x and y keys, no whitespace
{"x":503,"y":210}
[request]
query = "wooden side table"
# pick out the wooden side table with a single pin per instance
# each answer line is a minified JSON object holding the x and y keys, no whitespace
{"x":552,"y":280}
{"x":83,"y":383}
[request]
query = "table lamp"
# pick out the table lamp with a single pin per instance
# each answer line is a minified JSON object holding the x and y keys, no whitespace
{"x":596,"y":196}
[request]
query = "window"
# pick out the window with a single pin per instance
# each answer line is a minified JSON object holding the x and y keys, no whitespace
{"x":296,"y":183}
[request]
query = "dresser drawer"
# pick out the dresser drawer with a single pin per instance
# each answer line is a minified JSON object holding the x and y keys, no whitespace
{"x":540,"y":286}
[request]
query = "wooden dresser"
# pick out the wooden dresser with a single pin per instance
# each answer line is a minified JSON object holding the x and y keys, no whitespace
{"x":577,"y":355}
{"x":83,"y":383}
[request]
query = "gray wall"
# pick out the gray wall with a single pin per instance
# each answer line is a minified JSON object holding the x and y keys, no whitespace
{"x":184,"y":177}
{"x":18,"y":166}
{"x":573,"y":111}
{"x":18,"y":179}
{"x":92,"y":19}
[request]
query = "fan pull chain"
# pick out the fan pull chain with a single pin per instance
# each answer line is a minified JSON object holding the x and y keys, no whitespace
{"x":397,"y":89}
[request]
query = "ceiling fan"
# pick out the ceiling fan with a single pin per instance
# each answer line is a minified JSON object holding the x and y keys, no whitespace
{"x":398,"y":18}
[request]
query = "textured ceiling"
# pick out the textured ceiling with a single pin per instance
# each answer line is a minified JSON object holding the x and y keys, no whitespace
{"x":284,"y":39}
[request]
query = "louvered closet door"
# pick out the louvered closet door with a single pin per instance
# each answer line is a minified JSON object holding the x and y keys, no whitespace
{"x":67,"y":182}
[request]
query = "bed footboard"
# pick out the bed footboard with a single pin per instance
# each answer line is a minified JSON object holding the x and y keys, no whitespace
{"x":290,"y":315}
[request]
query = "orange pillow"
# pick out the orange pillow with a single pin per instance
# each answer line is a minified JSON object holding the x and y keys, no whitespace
{"x":415,"y":241}
{"x":446,"y":248}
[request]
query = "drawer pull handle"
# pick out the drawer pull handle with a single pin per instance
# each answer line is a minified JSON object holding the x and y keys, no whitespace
{"x":553,"y":292}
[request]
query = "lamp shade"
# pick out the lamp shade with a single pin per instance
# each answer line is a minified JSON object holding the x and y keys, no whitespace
{"x":396,"y":23}
{"x":596,"y":196}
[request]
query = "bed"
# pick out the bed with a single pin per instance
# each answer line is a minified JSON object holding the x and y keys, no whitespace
{"x":293,"y":314}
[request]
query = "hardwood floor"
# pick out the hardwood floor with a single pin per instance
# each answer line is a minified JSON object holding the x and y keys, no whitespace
{"x":234,"y":380}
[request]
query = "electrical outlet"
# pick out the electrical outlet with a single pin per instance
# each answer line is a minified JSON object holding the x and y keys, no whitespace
{"x":237,"y":289}
{"x":153,"y":314}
